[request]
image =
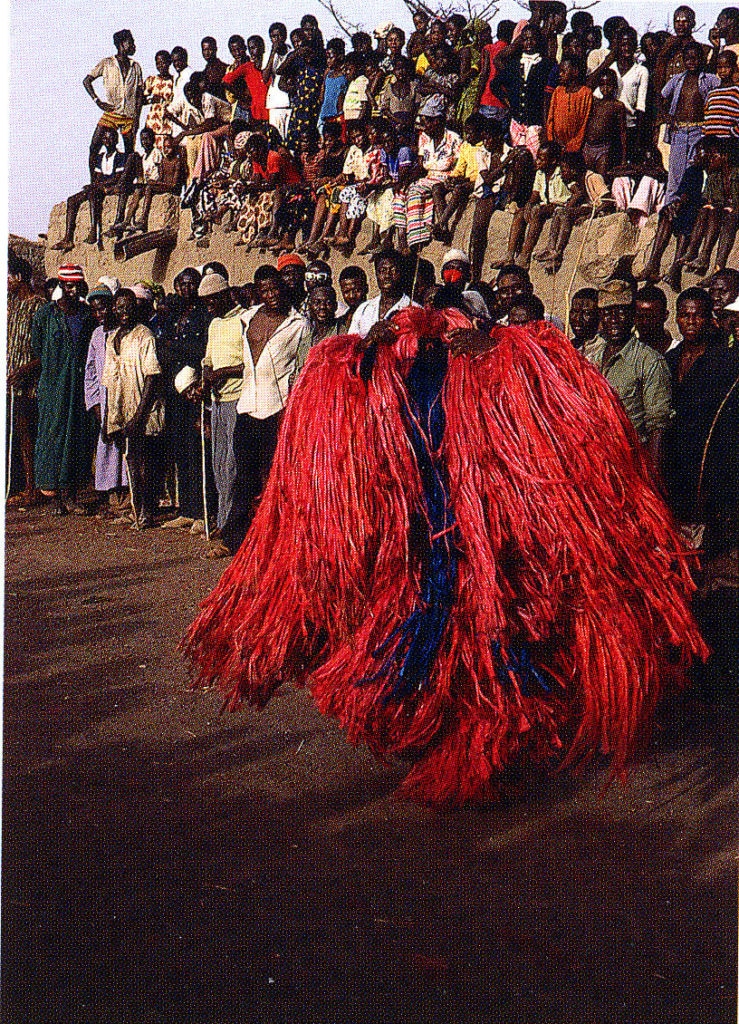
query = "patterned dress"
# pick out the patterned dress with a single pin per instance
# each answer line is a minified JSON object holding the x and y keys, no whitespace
{"x":306,"y":102}
{"x":158,"y":92}
{"x":414,"y":210}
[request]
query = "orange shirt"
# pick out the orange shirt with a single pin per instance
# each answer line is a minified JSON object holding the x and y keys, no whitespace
{"x":568,"y":115}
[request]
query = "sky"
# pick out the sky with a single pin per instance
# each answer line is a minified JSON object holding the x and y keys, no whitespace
{"x":53,"y":46}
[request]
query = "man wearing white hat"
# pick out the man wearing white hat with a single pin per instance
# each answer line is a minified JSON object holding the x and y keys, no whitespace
{"x":223,"y":370}
{"x":455,"y":272}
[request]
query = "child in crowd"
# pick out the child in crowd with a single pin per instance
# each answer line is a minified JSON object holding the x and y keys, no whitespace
{"x":334,"y":84}
{"x":550,"y":191}
{"x":569,"y":107}
{"x":565,"y":216}
{"x":679,"y":217}
{"x":357,"y":105}
{"x":605,"y":133}
{"x":718,"y":217}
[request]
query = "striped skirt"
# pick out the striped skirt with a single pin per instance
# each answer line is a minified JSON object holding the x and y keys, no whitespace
{"x":414,"y":211}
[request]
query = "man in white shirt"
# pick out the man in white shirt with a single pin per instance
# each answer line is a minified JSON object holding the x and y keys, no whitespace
{"x":182,"y":73}
{"x":273,"y":332}
{"x":124,"y":94}
{"x":389,"y":272}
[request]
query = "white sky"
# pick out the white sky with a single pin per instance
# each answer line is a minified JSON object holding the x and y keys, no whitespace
{"x":54,"y":45}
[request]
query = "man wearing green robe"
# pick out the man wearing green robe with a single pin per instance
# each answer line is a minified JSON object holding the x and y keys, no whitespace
{"x":60,"y":336}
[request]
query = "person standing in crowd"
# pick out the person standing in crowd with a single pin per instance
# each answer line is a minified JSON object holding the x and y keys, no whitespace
{"x":22,"y":369}
{"x":306,"y":65}
{"x":650,"y":317}
{"x":158,"y":94}
{"x":569,"y":108}
{"x":584,"y":317}
{"x":134,"y":417}
{"x":124,"y":95}
{"x":390,"y":272}
{"x":182,"y":73}
{"x":214,"y":69}
{"x":110,"y":471}
{"x":187,"y":348}
{"x":60,"y":338}
{"x":273,"y":334}
{"x":637,"y":373}
{"x":291,"y":269}
{"x":277,"y":101}
{"x":223,"y":369}
{"x":353,"y":286}
{"x":528,"y":77}
{"x":701,"y":470}
{"x":684,"y":97}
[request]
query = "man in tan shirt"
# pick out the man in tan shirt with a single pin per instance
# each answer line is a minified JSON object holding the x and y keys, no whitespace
{"x":124,"y":94}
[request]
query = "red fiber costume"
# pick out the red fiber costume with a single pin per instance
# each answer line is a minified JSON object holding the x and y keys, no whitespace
{"x":567,"y":600}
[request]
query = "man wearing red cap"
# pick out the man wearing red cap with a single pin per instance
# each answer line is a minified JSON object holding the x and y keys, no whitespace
{"x":291,"y":269}
{"x":60,"y":337}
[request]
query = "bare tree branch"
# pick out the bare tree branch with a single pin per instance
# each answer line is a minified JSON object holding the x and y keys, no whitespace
{"x":443,"y":9}
{"x":347,"y":27}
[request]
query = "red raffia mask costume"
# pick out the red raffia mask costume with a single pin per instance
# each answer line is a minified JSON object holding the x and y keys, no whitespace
{"x":463,"y":558}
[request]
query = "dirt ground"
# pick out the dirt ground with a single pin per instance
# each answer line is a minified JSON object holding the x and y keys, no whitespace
{"x":165,"y":862}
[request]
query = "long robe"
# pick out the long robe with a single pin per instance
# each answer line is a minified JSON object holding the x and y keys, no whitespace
{"x":110,"y":469}
{"x":462,"y":570}
{"x":64,"y":443}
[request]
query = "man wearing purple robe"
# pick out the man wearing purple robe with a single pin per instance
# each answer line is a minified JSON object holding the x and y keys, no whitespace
{"x":110,"y":470}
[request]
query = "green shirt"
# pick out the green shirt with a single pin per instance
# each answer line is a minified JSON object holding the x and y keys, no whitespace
{"x":640,"y":377}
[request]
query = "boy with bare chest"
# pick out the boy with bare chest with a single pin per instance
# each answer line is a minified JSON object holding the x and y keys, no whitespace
{"x":605,"y":132}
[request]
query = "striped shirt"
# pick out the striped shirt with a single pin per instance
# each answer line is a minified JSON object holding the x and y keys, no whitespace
{"x":19,"y":352}
{"x":721,"y":115}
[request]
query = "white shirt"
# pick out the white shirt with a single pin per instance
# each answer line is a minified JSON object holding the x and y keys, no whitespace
{"x":368,"y":314}
{"x":596,"y":58}
{"x":632,"y":91}
{"x":122,"y":93}
{"x":277,"y":99}
{"x":151,"y":164}
{"x":265,"y":386}
{"x":180,"y":80}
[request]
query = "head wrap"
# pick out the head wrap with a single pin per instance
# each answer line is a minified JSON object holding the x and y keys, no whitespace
{"x":382,"y":30}
{"x":289,"y":259}
{"x":70,"y":272}
{"x":212,"y":284}
{"x":241,"y":140}
{"x":100,"y":292}
{"x":455,"y":256}
{"x":185,"y":379}
{"x":142,"y":292}
{"x":435,"y":106}
{"x":111,"y":283}
{"x":615,"y":293}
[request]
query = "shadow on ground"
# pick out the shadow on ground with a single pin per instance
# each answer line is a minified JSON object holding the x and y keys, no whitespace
{"x":165,"y":862}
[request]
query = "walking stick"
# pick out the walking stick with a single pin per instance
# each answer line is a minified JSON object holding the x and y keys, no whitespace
{"x":576,"y":268}
{"x":10,"y":442}
{"x":130,"y":487}
{"x":205,"y":485}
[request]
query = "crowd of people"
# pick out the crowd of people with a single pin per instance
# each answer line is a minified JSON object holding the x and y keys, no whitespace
{"x":554,"y":122}
{"x":179,"y":396}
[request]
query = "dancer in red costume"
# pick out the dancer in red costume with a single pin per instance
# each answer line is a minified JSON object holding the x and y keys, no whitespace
{"x":461,"y":553}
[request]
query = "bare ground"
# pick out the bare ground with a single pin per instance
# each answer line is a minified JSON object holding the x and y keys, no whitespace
{"x":164,"y":862}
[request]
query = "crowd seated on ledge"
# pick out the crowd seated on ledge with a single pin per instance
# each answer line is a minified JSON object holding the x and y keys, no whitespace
{"x":298,"y":142}
{"x":176,"y":398}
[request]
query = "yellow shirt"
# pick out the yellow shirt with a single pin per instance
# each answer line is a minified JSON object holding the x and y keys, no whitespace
{"x":468,"y":162}
{"x":226,"y":348}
